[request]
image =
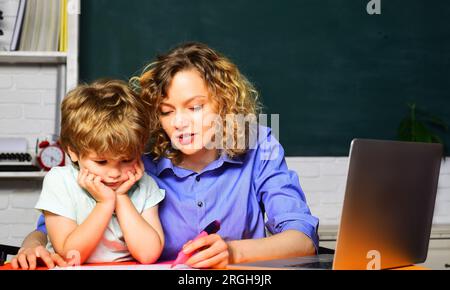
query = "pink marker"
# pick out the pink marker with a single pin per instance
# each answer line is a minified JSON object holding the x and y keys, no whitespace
{"x":212,"y":228}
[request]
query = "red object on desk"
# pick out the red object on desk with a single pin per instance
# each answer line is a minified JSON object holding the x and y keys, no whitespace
{"x":9,"y":267}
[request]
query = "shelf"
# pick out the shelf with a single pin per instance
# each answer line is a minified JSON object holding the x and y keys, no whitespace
{"x":21,"y":174}
{"x":17,"y":57}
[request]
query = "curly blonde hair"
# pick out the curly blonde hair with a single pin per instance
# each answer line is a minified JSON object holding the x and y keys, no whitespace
{"x":231,"y":92}
{"x":105,"y":117}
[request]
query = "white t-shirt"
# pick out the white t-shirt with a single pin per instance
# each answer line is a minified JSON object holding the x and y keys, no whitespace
{"x":62,"y":196}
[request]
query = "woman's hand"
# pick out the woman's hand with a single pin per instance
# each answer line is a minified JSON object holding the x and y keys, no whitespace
{"x":94,"y":185}
{"x":29,"y":258}
{"x":132,"y":178}
{"x":213,"y":252}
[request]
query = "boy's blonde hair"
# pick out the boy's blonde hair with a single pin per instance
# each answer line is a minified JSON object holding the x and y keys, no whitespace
{"x":106,"y":118}
{"x":231,"y":92}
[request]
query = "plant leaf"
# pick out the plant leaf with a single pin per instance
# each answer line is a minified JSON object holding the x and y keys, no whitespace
{"x":404,"y":132}
{"x":436,"y":139}
{"x":438,"y":122}
{"x":421,"y":133}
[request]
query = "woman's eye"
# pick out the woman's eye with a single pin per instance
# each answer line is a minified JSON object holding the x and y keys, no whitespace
{"x":128,"y":160}
{"x":101,"y":162}
{"x":165,"y":113}
{"x":197,"y":108}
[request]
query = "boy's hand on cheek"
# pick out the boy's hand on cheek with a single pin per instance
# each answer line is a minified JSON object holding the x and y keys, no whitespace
{"x":94,"y":185}
{"x":132,"y":179}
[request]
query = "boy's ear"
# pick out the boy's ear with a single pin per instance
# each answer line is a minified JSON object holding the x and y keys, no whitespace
{"x":73,"y":155}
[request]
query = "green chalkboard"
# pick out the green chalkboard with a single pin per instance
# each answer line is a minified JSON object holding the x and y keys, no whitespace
{"x":329,"y":69}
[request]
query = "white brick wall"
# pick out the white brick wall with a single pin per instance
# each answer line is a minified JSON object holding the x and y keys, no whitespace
{"x":17,"y":214}
{"x":28,"y":101}
{"x":28,"y":107}
{"x":323,"y":180}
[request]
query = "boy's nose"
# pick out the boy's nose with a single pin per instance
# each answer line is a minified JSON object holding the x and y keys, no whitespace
{"x":114,"y":173}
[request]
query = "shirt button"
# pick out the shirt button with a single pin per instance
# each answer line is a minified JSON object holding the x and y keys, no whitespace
{"x":200,"y":204}
{"x":197,"y":178}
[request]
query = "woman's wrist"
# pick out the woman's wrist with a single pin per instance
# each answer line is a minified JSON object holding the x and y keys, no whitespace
{"x":235,"y":254}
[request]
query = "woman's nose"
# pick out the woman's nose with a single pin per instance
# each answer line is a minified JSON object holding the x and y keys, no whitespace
{"x":180,"y":121}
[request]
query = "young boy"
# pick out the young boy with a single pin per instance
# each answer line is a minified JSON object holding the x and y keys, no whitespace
{"x":103,"y":207}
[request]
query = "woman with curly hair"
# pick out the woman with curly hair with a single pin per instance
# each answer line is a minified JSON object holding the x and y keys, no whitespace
{"x":197,"y":96}
{"x":216,"y":163}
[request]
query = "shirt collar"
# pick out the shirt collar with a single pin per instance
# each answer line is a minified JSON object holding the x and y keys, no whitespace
{"x":236,"y":160}
{"x":165,"y":163}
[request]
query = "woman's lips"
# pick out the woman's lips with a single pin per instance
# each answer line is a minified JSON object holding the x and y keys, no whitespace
{"x":186,"y":139}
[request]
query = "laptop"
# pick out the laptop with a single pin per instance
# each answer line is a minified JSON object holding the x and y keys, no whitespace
{"x":387,"y":212}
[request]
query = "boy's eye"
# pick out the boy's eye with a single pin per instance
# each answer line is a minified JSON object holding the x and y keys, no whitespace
{"x":101,"y":162}
{"x":127,"y":160}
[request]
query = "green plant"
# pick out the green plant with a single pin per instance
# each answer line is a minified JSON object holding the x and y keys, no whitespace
{"x":422,"y":126}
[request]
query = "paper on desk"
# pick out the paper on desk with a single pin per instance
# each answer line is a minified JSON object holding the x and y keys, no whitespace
{"x":127,"y":267}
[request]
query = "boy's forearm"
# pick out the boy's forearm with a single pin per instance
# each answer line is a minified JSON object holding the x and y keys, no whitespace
{"x":85,"y":238}
{"x":143,"y":241}
{"x":35,"y":239}
{"x":287,"y":244}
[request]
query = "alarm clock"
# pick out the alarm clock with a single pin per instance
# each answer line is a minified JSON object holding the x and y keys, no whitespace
{"x":51,"y":155}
